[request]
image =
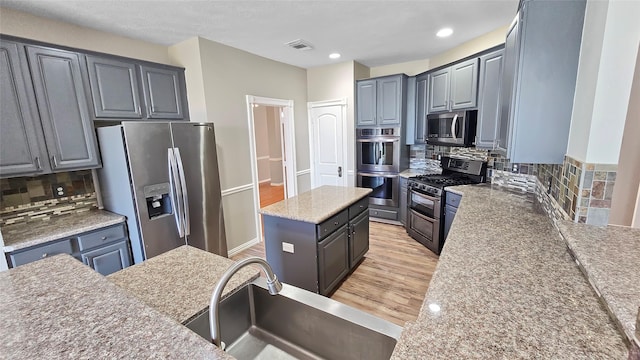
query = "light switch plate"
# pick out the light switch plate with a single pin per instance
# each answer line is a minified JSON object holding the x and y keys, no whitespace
{"x":287,"y":247}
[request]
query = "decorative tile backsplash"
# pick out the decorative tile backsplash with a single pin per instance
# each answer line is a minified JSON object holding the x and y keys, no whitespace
{"x":25,"y":199}
{"x":572,"y":190}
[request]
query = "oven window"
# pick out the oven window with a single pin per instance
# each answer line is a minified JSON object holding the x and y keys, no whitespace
{"x":382,"y":186}
{"x":377,"y":153}
{"x":422,"y":205}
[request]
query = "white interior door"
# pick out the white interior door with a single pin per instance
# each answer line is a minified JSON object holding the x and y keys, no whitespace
{"x":328,"y":144}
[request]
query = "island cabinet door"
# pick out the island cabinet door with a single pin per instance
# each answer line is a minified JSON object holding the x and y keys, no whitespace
{"x":358,"y":239}
{"x":333,"y":260}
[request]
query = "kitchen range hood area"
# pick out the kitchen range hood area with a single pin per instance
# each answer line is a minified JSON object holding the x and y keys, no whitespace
{"x":482,"y":216}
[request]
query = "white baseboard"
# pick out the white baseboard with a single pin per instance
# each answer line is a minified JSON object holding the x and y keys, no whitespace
{"x":244,"y":246}
{"x":277,"y":184}
{"x":264,"y":181}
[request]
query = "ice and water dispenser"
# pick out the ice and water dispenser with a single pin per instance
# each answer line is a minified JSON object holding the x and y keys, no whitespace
{"x":158,"y":200}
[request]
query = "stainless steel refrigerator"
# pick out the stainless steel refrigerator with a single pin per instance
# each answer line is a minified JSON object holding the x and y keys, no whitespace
{"x":163,"y":176}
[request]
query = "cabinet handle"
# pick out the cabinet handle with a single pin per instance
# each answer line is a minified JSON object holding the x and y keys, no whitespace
{"x":153,"y":108}
{"x":37,"y":161}
{"x":139,"y":110}
{"x":54,"y":160}
{"x":44,"y":255}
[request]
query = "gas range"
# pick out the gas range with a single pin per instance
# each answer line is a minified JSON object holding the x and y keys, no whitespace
{"x":426,"y":199}
{"x":434,"y":184}
{"x":454,"y":172}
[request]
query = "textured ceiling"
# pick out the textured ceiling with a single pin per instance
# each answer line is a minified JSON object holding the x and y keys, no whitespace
{"x":371,"y":32}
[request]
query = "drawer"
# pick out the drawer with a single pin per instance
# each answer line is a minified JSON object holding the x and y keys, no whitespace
{"x":331,"y":225}
{"x":453,"y":199}
{"x":23,"y":257}
{"x":100,"y":237}
{"x":383,"y":214}
{"x":358,"y":207}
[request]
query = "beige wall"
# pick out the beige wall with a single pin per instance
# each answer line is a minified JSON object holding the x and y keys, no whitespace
{"x":332,"y":82}
{"x":262,"y":142}
{"x":274,"y":145}
{"x":187,"y":54}
{"x":17,"y":23}
{"x":228,"y":76}
{"x":361,"y":71}
{"x":625,"y":192}
{"x":481,"y":43}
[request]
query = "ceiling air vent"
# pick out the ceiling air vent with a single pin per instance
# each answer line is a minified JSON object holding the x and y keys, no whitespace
{"x":300,"y":45}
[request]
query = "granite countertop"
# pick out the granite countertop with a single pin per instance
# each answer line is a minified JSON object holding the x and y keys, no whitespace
{"x":317,"y":205}
{"x":179,"y":283}
{"x":58,"y":308}
{"x":24,"y":235}
{"x":610,"y":259}
{"x":506,"y":287}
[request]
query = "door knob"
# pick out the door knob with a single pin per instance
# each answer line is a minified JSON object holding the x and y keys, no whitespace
{"x":339,"y":171}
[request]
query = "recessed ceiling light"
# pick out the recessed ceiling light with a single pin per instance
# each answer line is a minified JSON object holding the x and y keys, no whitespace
{"x":334,"y":56}
{"x":444,"y":32}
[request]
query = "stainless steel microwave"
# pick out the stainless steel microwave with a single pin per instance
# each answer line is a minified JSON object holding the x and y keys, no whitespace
{"x":452,"y":129}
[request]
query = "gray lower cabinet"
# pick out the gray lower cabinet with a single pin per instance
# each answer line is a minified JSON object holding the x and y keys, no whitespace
{"x":108,"y":259}
{"x":316,"y":257}
{"x":489,"y":99}
{"x":114,"y":88}
{"x":164,"y":96}
{"x":358,"y":239}
{"x":64,"y":113}
{"x":333,"y":259}
{"x":403,"y":201}
{"x":539,"y":80}
{"x":105,"y":250}
{"x":452,"y":201}
{"x":22,"y":146}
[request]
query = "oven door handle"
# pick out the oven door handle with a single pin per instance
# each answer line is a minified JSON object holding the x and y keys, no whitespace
{"x":434,"y":199}
{"x":368,"y":140}
{"x":423,"y":217}
{"x":378,"y":175}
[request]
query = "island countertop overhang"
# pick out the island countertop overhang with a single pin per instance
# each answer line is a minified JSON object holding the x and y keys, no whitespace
{"x":316,"y":205}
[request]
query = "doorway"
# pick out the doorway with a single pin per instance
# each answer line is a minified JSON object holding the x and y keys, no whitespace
{"x":327,"y":139}
{"x":268,"y":135}
{"x":273,"y":169}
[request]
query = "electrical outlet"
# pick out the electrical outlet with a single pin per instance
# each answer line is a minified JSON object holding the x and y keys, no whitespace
{"x":58,"y":190}
{"x":514,"y":168}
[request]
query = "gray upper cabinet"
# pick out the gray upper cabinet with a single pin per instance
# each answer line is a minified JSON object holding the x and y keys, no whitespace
{"x":439,"y":82}
{"x":63,"y":107}
{"x":114,"y":88}
{"x":489,"y":99}
{"x":22,"y":148}
{"x":163,"y":92}
{"x":454,"y":88}
{"x":464,"y":85}
{"x":381,"y":101}
{"x":422,"y":85}
{"x":390,"y":101}
{"x":366,"y":98}
{"x":539,"y":79}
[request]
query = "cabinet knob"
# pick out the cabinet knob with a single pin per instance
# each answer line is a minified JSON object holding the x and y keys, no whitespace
{"x":335,"y":223}
{"x":104,"y":238}
{"x":44,"y":255}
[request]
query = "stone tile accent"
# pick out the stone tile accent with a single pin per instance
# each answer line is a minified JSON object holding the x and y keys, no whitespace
{"x":25,"y":199}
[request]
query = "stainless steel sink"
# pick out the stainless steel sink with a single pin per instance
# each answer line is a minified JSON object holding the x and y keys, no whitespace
{"x":297,"y":324}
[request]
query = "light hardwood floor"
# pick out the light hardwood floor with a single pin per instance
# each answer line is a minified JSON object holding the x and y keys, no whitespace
{"x":270,"y":194}
{"x":392,"y":279}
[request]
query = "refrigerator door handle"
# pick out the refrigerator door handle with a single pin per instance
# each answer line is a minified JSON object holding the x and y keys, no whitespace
{"x":185,"y":196}
{"x":175,"y":196}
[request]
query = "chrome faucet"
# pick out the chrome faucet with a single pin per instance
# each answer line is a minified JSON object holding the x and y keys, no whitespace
{"x":273,"y":284}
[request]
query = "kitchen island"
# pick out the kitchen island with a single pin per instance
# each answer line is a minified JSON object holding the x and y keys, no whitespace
{"x":315,"y":239}
{"x":506,"y":288}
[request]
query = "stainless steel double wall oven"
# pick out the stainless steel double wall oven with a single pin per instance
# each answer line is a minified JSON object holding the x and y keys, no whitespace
{"x":378,"y":161}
